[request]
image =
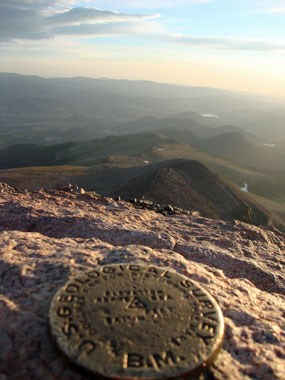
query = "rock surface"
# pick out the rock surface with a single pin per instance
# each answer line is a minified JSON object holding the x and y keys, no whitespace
{"x":47,"y":237}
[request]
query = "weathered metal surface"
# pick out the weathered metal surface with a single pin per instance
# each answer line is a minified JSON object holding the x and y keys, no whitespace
{"x":136,"y":322}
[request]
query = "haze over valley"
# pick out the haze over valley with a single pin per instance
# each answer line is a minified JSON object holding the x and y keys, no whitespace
{"x":118,"y":137}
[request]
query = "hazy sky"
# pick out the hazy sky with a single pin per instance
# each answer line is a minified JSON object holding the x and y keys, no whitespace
{"x":236,"y":44}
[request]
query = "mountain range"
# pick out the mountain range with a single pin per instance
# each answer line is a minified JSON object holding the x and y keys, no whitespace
{"x":48,"y":110}
{"x":149,"y":140}
{"x":141,"y":165}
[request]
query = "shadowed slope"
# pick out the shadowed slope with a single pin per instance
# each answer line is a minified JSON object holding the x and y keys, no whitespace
{"x":190,"y":185}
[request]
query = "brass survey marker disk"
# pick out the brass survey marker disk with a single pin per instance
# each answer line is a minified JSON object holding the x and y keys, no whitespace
{"x":136,"y":322}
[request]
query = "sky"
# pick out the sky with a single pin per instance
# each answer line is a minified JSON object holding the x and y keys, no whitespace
{"x":231,"y":44}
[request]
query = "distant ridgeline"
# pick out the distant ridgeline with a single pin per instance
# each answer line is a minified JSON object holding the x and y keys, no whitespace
{"x":129,"y":139}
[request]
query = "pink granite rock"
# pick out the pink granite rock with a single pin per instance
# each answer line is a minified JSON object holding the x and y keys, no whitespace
{"x":47,"y":237}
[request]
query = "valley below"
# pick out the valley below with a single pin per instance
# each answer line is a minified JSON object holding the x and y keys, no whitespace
{"x":145,"y":140}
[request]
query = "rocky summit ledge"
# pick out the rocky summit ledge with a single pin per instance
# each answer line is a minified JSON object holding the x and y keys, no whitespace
{"x":47,"y":237}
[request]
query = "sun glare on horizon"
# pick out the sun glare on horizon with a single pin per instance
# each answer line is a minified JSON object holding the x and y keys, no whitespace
{"x":234,"y":45}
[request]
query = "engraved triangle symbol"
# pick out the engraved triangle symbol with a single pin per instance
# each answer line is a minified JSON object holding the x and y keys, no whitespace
{"x":136,"y":303}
